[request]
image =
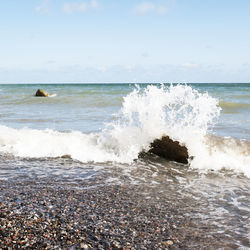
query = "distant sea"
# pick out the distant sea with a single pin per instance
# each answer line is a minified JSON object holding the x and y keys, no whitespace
{"x":103,"y":127}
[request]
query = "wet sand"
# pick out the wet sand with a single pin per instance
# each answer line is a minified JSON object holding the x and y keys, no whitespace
{"x":51,"y":214}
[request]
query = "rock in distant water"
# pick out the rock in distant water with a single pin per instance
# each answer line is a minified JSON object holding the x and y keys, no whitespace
{"x":41,"y":92}
{"x":169,"y":149}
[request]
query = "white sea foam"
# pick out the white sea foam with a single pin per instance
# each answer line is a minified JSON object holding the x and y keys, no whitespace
{"x":52,"y":95}
{"x":178,"y":111}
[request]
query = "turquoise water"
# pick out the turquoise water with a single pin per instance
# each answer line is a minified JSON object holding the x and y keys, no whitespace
{"x":115,"y":122}
{"x":234,"y":99}
{"x":87,"y":107}
{"x":75,"y":107}
{"x":96,"y":131}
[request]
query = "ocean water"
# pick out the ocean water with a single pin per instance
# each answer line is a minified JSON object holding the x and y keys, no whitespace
{"x":84,"y":130}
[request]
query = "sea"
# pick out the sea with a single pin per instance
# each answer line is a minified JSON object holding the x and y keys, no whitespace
{"x":81,"y":131}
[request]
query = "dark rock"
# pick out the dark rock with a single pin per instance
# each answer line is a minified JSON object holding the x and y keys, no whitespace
{"x":41,"y":92}
{"x":169,"y":149}
{"x":66,"y":156}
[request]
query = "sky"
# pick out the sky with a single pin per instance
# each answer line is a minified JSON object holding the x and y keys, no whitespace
{"x":96,"y":41}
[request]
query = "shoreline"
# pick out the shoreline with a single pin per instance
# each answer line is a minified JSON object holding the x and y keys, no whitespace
{"x":52,"y":214}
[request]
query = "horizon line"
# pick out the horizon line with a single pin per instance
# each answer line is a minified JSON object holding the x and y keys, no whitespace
{"x":125,"y":83}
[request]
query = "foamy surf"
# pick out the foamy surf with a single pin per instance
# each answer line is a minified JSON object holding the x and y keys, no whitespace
{"x":52,"y":95}
{"x":179,"y":111}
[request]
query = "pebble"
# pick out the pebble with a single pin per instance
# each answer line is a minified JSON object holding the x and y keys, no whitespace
{"x":53,"y":216}
{"x":169,"y":242}
{"x":84,"y":246}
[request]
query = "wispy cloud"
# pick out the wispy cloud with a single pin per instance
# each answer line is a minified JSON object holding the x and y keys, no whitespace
{"x":83,"y":6}
{"x":190,"y":65}
{"x":149,"y":7}
{"x":94,"y":4}
{"x":143,"y":8}
{"x":43,"y":7}
{"x":75,"y":73}
{"x":74,"y":7}
{"x":162,"y":9}
{"x":145,"y":54}
{"x":51,"y":62}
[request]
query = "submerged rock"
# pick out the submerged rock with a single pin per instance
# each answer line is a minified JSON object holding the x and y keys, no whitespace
{"x":169,"y":149}
{"x":41,"y":92}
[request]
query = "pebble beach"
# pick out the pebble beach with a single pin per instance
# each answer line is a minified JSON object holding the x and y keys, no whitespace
{"x":76,"y":171}
{"x":54,"y":213}
{"x":47,"y":216}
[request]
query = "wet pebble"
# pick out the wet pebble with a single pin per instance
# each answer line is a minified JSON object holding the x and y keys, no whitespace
{"x":50,"y":216}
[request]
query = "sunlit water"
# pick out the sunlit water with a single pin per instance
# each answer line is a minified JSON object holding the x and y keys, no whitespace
{"x":101,"y":129}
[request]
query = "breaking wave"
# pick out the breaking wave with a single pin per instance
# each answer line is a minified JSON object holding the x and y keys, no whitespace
{"x":178,"y":111}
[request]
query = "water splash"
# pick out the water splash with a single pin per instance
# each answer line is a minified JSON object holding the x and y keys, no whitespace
{"x":180,"y":112}
{"x":146,"y":114}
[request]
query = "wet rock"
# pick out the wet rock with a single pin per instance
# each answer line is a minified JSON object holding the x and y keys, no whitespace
{"x":83,"y":246}
{"x":169,"y":242}
{"x":41,"y":92}
{"x":169,"y":149}
{"x":66,"y":156}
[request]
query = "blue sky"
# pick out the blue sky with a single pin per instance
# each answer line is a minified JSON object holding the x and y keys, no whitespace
{"x":124,"y":41}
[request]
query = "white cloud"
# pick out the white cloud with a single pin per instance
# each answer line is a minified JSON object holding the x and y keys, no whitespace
{"x":94,"y":4}
{"x":121,"y":73}
{"x":74,"y":7}
{"x":190,"y":65}
{"x":162,"y":10}
{"x":147,"y":7}
{"x":80,"y":6}
{"x":143,"y":8}
{"x":43,"y":7}
{"x":245,"y":64}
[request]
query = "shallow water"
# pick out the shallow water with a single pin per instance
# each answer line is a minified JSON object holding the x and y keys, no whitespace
{"x":216,"y":201}
{"x":100,"y":129}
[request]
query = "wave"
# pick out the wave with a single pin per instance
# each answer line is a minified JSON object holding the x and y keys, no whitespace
{"x":179,"y":111}
{"x":216,"y":153}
